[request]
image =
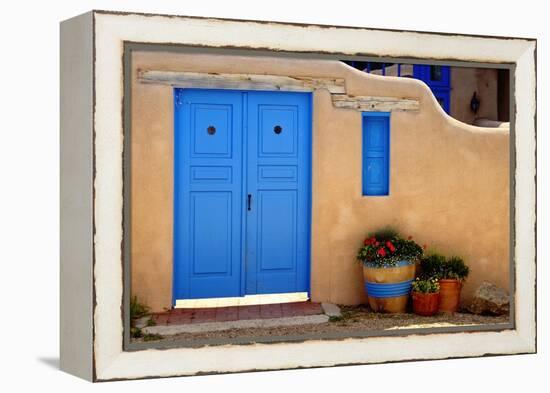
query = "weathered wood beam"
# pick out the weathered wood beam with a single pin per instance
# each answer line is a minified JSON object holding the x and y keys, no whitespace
{"x":375,"y":104}
{"x":336,"y":86}
{"x":242,"y":81}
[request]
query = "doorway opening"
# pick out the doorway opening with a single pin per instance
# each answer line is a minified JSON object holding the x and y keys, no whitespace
{"x":242,"y":169}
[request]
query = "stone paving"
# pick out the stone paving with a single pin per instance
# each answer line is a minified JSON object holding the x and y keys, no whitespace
{"x":183,"y":316}
{"x":295,"y":319}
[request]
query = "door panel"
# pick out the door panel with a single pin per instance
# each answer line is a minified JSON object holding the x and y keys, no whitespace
{"x":278,"y":133}
{"x":211,"y":244}
{"x":276,"y":230}
{"x":241,"y":193}
{"x":277,"y":256}
{"x":211,"y":125}
{"x":207,"y":194}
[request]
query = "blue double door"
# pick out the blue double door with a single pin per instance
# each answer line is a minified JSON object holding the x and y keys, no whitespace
{"x":241,"y":192}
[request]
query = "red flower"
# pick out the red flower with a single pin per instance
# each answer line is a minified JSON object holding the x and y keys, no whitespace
{"x":381,"y":252}
{"x":369,"y":240}
{"x":390,"y":246}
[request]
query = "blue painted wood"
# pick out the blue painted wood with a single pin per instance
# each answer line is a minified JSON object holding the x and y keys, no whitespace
{"x":433,"y":75}
{"x":241,"y":192}
{"x":443,"y":96}
{"x":279,"y":143}
{"x":207,"y":193}
{"x":376,"y":153}
{"x":438,"y":79}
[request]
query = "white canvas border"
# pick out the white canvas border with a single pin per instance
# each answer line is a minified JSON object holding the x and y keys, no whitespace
{"x":112,"y":30}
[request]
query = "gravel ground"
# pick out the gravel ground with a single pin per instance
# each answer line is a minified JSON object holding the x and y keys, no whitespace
{"x":354,"y":319}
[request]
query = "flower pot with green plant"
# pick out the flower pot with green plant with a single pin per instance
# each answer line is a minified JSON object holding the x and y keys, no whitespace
{"x":425,"y":296}
{"x":451,"y":273}
{"x":388,"y":269}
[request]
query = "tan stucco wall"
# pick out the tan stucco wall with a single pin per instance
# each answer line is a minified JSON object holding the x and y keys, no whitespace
{"x":464,"y":82}
{"x":449,"y":181}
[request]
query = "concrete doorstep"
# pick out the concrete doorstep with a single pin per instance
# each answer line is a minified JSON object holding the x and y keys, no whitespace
{"x":166,"y":330}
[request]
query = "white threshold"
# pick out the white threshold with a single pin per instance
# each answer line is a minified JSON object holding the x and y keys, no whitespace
{"x":247,"y":300}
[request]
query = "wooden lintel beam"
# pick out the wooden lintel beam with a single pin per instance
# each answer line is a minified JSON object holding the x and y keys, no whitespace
{"x":336,"y":86}
{"x":242,"y":81}
{"x":375,"y":104}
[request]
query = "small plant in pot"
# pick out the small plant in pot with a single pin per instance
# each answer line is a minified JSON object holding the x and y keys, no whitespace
{"x":388,"y":269}
{"x":451,"y":274}
{"x":425,"y":296}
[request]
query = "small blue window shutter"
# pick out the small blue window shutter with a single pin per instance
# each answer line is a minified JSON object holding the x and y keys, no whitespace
{"x":376,"y":153}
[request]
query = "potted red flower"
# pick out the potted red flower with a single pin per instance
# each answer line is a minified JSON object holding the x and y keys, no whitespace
{"x":388,"y":269}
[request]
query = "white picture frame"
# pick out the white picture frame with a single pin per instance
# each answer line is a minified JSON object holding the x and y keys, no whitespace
{"x":92,"y":323}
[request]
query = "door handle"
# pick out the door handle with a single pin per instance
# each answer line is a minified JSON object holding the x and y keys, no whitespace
{"x":249,"y":202}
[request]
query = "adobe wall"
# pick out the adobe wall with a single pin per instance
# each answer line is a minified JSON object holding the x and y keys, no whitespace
{"x":464,"y":82}
{"x":449,"y":182}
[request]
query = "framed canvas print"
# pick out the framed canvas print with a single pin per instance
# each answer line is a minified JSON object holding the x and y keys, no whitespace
{"x":245,"y":195}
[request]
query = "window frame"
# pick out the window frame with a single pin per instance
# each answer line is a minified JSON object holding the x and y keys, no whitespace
{"x":365,"y":191}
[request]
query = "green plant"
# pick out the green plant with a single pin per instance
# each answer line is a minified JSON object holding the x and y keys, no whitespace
{"x":429,"y":285}
{"x":436,"y":265}
{"x":386,"y":234}
{"x":455,"y":268}
{"x":431,"y":265}
{"x":137,"y":309}
{"x":151,"y":337}
{"x":385,"y":248}
{"x":136,"y":332}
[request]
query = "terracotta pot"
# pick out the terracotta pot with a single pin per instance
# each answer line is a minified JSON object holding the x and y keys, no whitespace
{"x":449,"y":291}
{"x":425,"y":304}
{"x":388,"y":288}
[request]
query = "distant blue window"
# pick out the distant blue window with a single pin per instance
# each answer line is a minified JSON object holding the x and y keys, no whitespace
{"x":437,"y":77}
{"x":376,"y":153}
